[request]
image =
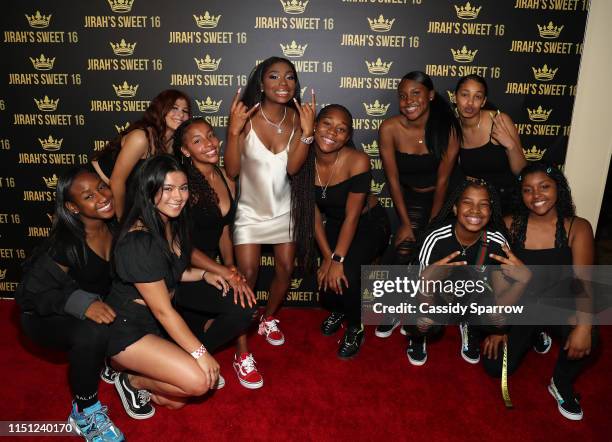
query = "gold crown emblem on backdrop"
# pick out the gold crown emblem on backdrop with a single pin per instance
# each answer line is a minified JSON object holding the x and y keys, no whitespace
{"x":371,"y":149}
{"x":539,"y":114}
{"x":296,"y":283}
{"x":534,"y":154}
{"x":378,"y":67}
{"x":550,"y":31}
{"x":294,"y":6}
{"x":51,"y":144}
{"x":122,"y":128}
{"x":207,"y":21}
{"x":125,"y":90}
{"x":3,"y":273}
{"x":209,"y":106}
{"x":544,"y":73}
{"x":375,"y":187}
{"x":46,"y":104}
{"x":207,"y":64}
{"x":376,"y":109}
{"x":51,"y":182}
{"x":467,"y":11}
{"x":122,"y":48}
{"x":38,"y":20}
{"x":42,"y":63}
{"x":121,"y":6}
{"x":464,"y":55}
{"x":293,"y":49}
{"x":451,"y":96}
{"x":380,"y":24}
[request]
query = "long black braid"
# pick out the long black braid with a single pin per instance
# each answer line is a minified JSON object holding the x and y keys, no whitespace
{"x":564,"y":205}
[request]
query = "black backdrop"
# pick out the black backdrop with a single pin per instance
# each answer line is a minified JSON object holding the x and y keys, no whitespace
{"x":73,"y":73}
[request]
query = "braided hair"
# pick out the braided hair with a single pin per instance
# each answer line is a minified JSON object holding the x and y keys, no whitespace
{"x":201,"y":194}
{"x":564,"y":205}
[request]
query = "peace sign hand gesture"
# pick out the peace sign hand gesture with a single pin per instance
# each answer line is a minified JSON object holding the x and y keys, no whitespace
{"x":512,"y":267}
{"x":307,"y":112}
{"x":239,"y":114}
{"x":442,"y":268}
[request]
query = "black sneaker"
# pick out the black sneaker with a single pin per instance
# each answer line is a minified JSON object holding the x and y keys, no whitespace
{"x":385,"y":330}
{"x":351,"y":342}
{"x":108,"y":373}
{"x":332,"y":323}
{"x":470,"y":346}
{"x":566,"y":402}
{"x":404,"y":330}
{"x":542,"y":343}
{"x":417,"y":350}
{"x":137,"y":403}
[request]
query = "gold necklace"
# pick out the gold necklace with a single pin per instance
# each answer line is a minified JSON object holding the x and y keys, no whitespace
{"x":324,"y":192}
{"x":464,"y":248}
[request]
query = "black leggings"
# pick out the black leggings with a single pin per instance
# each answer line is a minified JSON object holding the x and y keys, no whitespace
{"x":418,"y":205}
{"x":521,"y":339}
{"x":370,"y":240}
{"x":84,"y":340}
{"x":199,"y":301}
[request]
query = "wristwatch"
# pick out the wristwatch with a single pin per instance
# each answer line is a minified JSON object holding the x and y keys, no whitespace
{"x":337,"y":258}
{"x":307,"y":140}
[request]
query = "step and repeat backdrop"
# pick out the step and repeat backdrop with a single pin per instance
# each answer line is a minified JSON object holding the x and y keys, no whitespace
{"x":75,"y":73}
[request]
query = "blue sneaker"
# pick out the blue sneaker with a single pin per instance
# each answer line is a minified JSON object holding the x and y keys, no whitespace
{"x":94,"y":425}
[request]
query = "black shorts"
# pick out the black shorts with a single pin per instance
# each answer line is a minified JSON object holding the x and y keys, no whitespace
{"x":133,"y":322}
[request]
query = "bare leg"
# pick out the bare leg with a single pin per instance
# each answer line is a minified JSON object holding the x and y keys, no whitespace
{"x":248,"y":257}
{"x":284,"y":256}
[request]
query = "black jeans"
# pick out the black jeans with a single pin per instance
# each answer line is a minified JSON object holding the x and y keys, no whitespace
{"x":84,"y":340}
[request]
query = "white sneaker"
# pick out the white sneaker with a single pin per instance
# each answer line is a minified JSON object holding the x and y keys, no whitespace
{"x":269,"y":329}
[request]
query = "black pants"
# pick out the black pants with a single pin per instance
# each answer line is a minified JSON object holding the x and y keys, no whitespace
{"x":199,"y":301}
{"x":520,"y":340}
{"x":84,"y":340}
{"x":418,"y":205}
{"x":370,"y":240}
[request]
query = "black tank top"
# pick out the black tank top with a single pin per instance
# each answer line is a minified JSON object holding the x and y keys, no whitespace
{"x":333,"y":206}
{"x":416,"y":170}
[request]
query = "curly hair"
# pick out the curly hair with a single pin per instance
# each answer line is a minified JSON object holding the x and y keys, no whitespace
{"x":564,"y":205}
{"x":201,"y":193}
{"x":152,"y":122}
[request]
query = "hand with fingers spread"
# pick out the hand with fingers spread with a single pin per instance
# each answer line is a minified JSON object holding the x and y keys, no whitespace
{"x":307,"y":113}
{"x":491,"y":345}
{"x":239,"y":114}
{"x":100,"y":313}
{"x":242,"y":292}
{"x":512,"y":267}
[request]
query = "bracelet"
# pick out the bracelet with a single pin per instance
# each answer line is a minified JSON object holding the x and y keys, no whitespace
{"x":201,"y":351}
{"x":307,"y":140}
{"x":204,"y":272}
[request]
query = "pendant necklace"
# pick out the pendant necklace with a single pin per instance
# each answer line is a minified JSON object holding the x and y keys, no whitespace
{"x":324,"y":191}
{"x":278,"y":127}
{"x":464,"y":248}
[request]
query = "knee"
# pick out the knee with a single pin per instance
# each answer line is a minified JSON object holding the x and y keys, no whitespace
{"x":195,"y":384}
{"x":250,"y":273}
{"x":283,"y":269}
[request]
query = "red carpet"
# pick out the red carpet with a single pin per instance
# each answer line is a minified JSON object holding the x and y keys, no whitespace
{"x":309,"y":394}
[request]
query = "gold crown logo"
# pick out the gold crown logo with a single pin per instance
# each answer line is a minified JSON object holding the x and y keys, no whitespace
{"x":375,"y":187}
{"x":467,"y":11}
{"x":376,"y":109}
{"x":378,"y":67}
{"x":451,"y":96}
{"x":544,"y":73}
{"x":38,"y":20}
{"x":371,"y":149}
{"x":381,"y":24}
{"x":51,"y":144}
{"x":125,"y":90}
{"x":293,"y":49}
{"x":550,"y":31}
{"x":122,"y":48}
{"x":294,"y":6}
{"x":534,"y":154}
{"x":296,"y":283}
{"x":51,"y":182}
{"x":3,"y":273}
{"x":464,"y":55}
{"x":207,"y":64}
{"x":50,"y":216}
{"x":207,"y":21}
{"x":122,"y":128}
{"x":121,"y":6}
{"x":209,"y":106}
{"x":42,"y":63}
{"x":539,"y":114}
{"x":46,"y":104}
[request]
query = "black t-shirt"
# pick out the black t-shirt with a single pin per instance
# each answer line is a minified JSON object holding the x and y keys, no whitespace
{"x":333,"y":206}
{"x":94,"y":276}
{"x":138,"y":259}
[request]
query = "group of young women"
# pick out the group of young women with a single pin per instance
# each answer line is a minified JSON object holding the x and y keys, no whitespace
{"x":155,"y":250}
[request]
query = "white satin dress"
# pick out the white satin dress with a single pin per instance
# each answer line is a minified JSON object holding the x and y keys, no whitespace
{"x":263,"y":214}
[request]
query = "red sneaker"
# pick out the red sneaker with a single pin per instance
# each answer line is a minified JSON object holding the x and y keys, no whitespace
{"x":268,"y":327}
{"x":246,"y":371}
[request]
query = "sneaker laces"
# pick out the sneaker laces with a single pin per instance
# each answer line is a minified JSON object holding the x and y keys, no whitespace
{"x":350,"y":338}
{"x":98,"y":422}
{"x":465,"y":335}
{"x":247,"y":364}
{"x":268,"y":327}
{"x":144,"y":396}
{"x":334,"y":317}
